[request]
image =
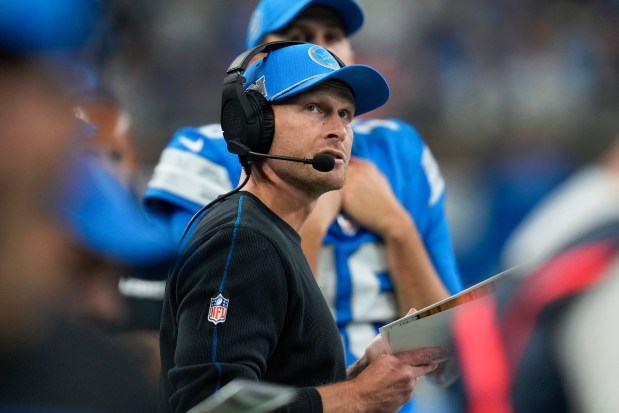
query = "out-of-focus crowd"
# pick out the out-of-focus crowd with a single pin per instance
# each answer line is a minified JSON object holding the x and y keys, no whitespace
{"x":510,"y":96}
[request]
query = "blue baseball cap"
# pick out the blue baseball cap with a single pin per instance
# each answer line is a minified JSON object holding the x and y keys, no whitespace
{"x":290,"y":70}
{"x":272,"y":15}
{"x":106,"y":218}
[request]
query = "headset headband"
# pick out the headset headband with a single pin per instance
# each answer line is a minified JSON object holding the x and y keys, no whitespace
{"x":242,"y":60}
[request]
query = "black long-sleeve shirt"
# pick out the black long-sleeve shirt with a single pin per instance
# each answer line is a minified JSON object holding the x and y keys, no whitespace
{"x":277,"y":326}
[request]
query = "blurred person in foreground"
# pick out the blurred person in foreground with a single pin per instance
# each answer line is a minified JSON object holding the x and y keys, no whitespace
{"x":148,"y":251}
{"x":98,"y":199}
{"x":112,"y":125}
{"x":99,"y":234}
{"x":585,"y":200}
{"x":111,"y":239}
{"x":36,"y":128}
{"x":546,"y":341}
{"x":51,"y":360}
{"x":379,"y":246}
{"x":241,"y":300}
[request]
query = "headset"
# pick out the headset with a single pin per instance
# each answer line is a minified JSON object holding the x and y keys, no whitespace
{"x":248,"y":123}
{"x":246,"y":116}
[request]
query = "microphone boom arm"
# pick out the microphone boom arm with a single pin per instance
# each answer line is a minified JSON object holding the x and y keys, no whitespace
{"x":320,"y":162}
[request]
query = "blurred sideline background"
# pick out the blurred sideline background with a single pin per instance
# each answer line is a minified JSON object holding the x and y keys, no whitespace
{"x":510,"y":95}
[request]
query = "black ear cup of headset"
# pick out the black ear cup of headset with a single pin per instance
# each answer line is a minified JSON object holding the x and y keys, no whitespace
{"x":249,"y":121}
{"x":246,"y":117}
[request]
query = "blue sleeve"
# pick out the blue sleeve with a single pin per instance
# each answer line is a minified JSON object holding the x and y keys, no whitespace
{"x":398,"y":151}
{"x":194,"y":168}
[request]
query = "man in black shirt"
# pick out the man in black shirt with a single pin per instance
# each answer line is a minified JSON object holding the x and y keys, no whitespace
{"x":241,"y":301}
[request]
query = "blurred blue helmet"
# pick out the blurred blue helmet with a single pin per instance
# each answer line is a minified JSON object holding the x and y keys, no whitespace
{"x":106,"y":218}
{"x":35,"y":26}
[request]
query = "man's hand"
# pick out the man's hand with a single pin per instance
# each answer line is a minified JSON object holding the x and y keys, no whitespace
{"x":368,"y":199}
{"x":387,"y":383}
{"x":426,"y":359}
{"x":384,"y":385}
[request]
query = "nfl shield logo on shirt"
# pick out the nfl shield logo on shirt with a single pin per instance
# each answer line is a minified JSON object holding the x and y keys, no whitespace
{"x":218,"y":309}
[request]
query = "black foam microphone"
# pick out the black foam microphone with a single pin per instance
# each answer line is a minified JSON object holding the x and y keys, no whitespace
{"x":321,"y":162}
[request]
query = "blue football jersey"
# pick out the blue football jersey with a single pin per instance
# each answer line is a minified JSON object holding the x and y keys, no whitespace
{"x":196,"y":167}
{"x":192,"y":171}
{"x":352,"y":269}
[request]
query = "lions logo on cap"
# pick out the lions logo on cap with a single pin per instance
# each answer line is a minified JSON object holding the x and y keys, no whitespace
{"x":218,"y":310}
{"x":323,"y":57}
{"x":259,"y":87}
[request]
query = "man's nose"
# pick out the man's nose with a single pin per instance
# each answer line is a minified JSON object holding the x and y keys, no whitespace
{"x":336,"y":127}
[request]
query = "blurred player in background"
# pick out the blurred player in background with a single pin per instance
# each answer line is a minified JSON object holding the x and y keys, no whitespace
{"x":379,"y":246}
